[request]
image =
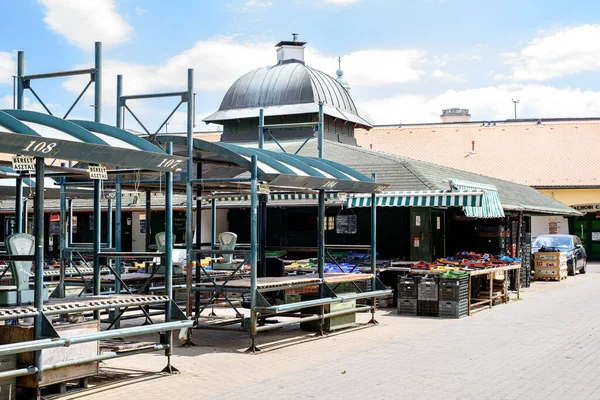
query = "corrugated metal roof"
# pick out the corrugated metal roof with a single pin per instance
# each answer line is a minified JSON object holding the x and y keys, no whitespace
{"x":295,"y":85}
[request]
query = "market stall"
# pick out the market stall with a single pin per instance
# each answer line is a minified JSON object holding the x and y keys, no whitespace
{"x":455,"y":287}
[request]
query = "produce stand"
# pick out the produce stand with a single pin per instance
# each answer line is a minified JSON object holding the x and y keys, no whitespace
{"x":498,"y":289}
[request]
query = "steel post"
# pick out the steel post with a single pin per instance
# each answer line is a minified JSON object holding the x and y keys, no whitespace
{"x":253,"y":249}
{"x":213,"y":223}
{"x":118,"y":198}
{"x":70,"y":227}
{"x":20,"y":83}
{"x":261,"y":130}
{"x":148,"y":218}
{"x":63,"y":233}
{"x":189,"y":190}
{"x":19,"y":206}
{"x":97,"y":240}
{"x":321,"y":254}
{"x":98,"y":82}
{"x":169,"y":249}
{"x":109,"y":224}
{"x":373,"y":248}
{"x":39,"y":255}
{"x":321,"y":129}
{"x":119,"y":120}
{"x":198,"y":236}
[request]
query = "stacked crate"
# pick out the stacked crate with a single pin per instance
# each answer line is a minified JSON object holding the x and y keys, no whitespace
{"x":427,"y":297}
{"x":550,"y":265}
{"x":407,"y":295}
{"x":454,"y":297}
{"x":525,"y":277}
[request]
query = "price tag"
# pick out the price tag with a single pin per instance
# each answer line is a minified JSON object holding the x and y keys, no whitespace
{"x":98,"y":172}
{"x":263,"y":189}
{"x":23,"y":163}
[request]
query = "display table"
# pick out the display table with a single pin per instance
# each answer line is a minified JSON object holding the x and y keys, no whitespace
{"x":479,"y":301}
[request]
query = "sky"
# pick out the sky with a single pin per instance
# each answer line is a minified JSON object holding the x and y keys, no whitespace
{"x":405,"y":60}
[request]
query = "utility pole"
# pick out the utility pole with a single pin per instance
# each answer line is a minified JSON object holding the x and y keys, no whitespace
{"x":515,"y":102}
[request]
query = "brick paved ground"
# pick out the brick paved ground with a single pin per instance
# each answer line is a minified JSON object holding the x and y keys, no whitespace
{"x":545,"y":346}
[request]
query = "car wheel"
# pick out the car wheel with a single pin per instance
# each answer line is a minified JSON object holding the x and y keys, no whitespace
{"x":583,"y":269}
{"x":573,"y":269}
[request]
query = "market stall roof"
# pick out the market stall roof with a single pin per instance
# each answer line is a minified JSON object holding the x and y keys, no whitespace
{"x":490,"y":204}
{"x":421,"y":198}
{"x":31,"y":133}
{"x":280,"y":170}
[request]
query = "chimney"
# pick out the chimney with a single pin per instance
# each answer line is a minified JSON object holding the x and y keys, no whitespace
{"x":290,"y":51}
{"x":455,"y":115}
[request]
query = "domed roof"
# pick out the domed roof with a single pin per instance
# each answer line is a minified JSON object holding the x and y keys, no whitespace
{"x":286,"y":88}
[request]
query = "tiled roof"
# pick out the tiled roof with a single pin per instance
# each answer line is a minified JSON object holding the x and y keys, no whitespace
{"x":547,"y":154}
{"x":405,"y":174}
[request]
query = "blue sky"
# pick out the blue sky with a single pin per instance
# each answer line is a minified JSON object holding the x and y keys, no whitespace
{"x":405,"y":60}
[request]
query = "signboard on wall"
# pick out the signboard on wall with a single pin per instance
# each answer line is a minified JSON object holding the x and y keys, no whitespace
{"x":596,"y":236}
{"x":592,"y":207}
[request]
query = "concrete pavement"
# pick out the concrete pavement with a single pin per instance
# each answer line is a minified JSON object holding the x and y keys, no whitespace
{"x":545,"y":346}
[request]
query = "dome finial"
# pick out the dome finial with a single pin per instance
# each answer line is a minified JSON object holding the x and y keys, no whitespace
{"x":339,"y":72}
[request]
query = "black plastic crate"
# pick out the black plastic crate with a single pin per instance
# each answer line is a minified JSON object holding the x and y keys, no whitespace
{"x":427,"y":308}
{"x":428,"y":289}
{"x":454,"y":289}
{"x":407,"y":288}
{"x":453,"y":309}
{"x":407,"y":306}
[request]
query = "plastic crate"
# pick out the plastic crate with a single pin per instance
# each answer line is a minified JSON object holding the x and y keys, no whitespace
{"x":427,"y":308}
{"x":454,"y":289}
{"x":453,"y":309}
{"x":407,"y":306}
{"x":428,"y":289}
{"x":407,"y":288}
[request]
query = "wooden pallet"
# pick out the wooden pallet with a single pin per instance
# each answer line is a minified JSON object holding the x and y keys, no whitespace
{"x":551,"y":278}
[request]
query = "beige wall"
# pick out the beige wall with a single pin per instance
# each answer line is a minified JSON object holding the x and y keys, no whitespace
{"x":572,"y":197}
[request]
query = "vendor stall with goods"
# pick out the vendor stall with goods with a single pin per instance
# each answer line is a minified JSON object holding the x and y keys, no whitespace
{"x":454,"y":287}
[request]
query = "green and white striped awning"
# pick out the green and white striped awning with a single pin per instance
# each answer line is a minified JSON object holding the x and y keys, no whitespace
{"x":490,"y":201}
{"x":423,"y":198}
{"x":274,"y":197}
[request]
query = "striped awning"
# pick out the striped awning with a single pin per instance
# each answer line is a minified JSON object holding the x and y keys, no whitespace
{"x":273,"y":197}
{"x":423,"y":198}
{"x":490,"y":201}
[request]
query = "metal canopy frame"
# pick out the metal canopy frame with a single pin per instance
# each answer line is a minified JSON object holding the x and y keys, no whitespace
{"x":225,"y":167}
{"x":81,"y":144}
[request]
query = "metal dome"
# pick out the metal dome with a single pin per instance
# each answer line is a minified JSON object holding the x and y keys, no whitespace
{"x":286,"y":88}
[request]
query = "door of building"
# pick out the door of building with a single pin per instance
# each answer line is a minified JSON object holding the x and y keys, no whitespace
{"x":437,"y":234}
{"x":588,"y":231}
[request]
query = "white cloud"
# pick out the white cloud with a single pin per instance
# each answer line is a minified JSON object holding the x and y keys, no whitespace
{"x":219,"y":61}
{"x":84,"y":22}
{"x":565,"y":51}
{"x":373,"y":68}
{"x":447,"y":76}
{"x":340,"y":2}
{"x":258,"y":4}
{"x":8,"y":67}
{"x":140,"y":10}
{"x":487,"y":103}
{"x":475,"y":58}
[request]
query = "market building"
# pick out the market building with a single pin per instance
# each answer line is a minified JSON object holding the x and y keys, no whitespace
{"x":555,"y":156}
{"x":413,"y":227}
